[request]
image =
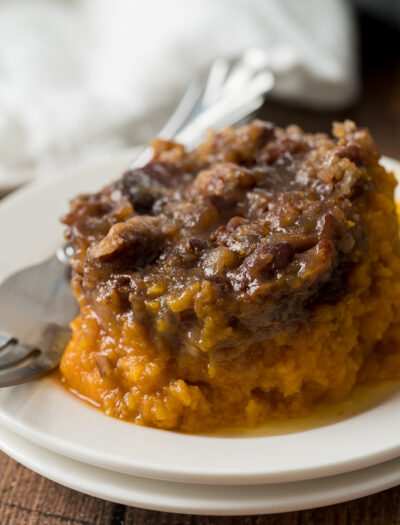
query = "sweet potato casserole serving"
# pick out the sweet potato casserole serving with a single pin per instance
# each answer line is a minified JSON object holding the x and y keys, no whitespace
{"x":247,"y":279}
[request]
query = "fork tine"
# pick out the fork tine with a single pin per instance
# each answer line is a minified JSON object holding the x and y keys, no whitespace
{"x":215,"y":80}
{"x":15,"y":355}
{"x":35,"y":368}
{"x":5,"y":339}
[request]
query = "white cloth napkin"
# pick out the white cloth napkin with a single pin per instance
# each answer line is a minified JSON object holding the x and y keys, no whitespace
{"x":79,"y":77}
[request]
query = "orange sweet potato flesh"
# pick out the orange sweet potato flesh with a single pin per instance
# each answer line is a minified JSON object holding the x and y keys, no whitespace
{"x":245,"y":280}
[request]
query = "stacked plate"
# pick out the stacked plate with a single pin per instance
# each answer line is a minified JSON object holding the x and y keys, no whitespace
{"x":332,"y":457}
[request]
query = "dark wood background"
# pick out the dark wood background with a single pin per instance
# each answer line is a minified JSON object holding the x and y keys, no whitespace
{"x":27,"y":498}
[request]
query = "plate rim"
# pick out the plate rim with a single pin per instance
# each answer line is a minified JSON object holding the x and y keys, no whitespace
{"x":339,"y":488}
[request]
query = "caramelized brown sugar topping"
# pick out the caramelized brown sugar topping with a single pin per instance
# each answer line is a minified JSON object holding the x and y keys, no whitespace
{"x":263,"y":222}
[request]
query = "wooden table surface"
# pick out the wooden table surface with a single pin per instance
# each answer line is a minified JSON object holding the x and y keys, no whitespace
{"x":27,"y":498}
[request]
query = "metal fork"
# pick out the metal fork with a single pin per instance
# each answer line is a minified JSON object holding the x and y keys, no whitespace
{"x":37,"y":304}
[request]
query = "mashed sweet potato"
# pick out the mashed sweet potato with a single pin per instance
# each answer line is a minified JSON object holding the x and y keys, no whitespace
{"x":246,"y":280}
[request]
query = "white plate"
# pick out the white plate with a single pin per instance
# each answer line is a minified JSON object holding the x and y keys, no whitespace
{"x":200,"y":499}
{"x":47,"y":415}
